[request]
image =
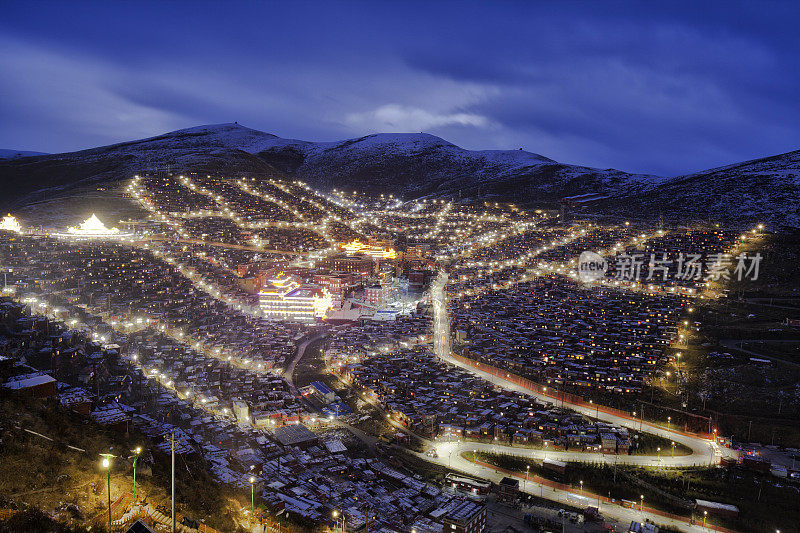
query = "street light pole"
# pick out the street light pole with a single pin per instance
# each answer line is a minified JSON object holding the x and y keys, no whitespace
{"x":173,"y":481}
{"x":107,"y":465}
{"x":136,"y":453}
{"x":252,"y":500}
{"x":108,"y":483}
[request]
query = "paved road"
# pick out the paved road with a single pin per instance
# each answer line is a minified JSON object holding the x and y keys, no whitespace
{"x":665,"y":460}
{"x":445,"y":447}
{"x":624,"y":515}
{"x":441,"y":320}
{"x":450,"y":457}
{"x":217,"y":244}
{"x":301,"y":352}
{"x":449,"y":453}
{"x":704,"y":451}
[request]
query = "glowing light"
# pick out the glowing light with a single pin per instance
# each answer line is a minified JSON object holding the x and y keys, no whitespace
{"x":92,"y":227}
{"x":376,"y":252}
{"x":322,"y":304}
{"x":10,"y":223}
{"x":284,"y":297}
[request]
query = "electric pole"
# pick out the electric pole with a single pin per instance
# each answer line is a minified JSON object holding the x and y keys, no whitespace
{"x":173,"y":481}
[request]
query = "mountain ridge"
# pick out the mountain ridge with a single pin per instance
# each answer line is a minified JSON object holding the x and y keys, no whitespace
{"x":412,"y":165}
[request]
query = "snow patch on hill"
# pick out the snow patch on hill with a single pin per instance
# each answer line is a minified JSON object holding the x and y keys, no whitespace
{"x":414,"y":165}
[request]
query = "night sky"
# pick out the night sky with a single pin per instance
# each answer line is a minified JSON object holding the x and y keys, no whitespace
{"x":634,"y":86}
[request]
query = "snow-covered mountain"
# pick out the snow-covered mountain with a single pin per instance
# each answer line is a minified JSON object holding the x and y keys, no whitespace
{"x":415,"y":165}
{"x":419,"y":164}
{"x":215,"y":149}
{"x":762,"y":190}
{"x":411,"y":165}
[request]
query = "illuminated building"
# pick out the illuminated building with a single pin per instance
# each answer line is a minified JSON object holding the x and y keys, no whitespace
{"x":10,"y":223}
{"x":92,"y":227}
{"x":283,"y":298}
{"x":374,"y":251}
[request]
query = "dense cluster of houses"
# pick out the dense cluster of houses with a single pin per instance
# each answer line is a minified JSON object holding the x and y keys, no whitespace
{"x":130,"y":286}
{"x":236,"y":211}
{"x":437,"y":400}
{"x":170,"y":338}
{"x":243,"y":418}
{"x":556,"y":331}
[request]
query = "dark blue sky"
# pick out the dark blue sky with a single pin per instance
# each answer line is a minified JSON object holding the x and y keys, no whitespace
{"x":659,"y":89}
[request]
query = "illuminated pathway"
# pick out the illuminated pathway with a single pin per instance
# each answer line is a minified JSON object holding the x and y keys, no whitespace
{"x":573,"y":497}
{"x":704,"y":451}
{"x":288,"y":374}
{"x":441,"y":320}
{"x":449,"y":456}
{"x":218,"y":244}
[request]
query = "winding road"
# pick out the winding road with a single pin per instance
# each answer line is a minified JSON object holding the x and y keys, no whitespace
{"x":574,"y":497}
{"x":704,"y":451}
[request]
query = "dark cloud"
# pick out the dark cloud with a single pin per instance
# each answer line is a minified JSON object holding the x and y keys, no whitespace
{"x":651,"y":88}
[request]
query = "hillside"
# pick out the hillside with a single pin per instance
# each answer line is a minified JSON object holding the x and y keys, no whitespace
{"x":410,"y":165}
{"x":49,"y":461}
{"x":414,"y":165}
{"x":43,"y":471}
{"x":33,"y":179}
{"x":418,"y":164}
{"x":763,"y":190}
